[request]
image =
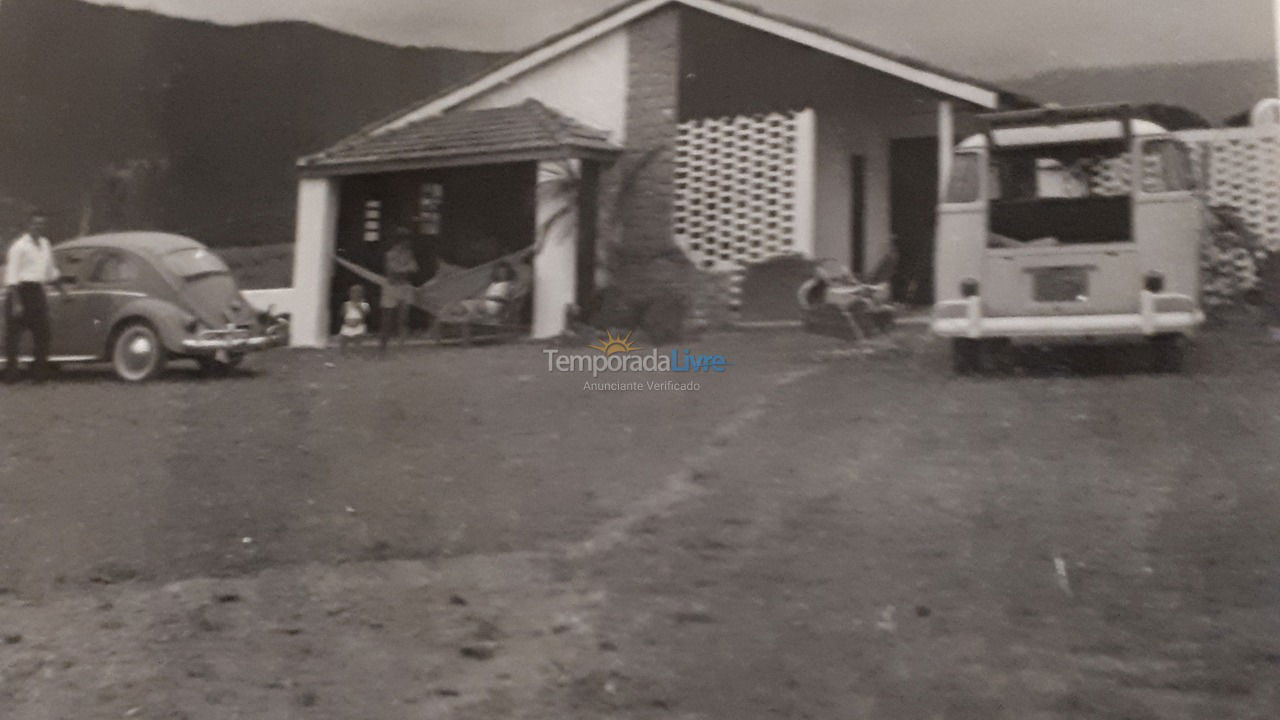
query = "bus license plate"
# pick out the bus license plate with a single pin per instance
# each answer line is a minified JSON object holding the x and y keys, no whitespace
{"x":1061,"y":284}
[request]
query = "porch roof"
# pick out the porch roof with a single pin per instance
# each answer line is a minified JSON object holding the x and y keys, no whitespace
{"x":520,"y":133}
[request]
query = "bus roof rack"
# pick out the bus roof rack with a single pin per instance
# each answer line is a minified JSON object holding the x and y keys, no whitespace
{"x":1054,"y":115}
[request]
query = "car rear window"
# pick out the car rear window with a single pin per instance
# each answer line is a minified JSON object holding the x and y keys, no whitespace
{"x":194,"y":262}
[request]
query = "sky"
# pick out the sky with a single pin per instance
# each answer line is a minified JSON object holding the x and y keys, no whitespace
{"x":996,"y":38}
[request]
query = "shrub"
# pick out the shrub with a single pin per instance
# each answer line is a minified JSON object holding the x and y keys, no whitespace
{"x":1229,"y":259}
{"x":663,"y":320}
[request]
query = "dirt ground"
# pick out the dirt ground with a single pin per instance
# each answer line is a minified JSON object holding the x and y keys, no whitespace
{"x":460,"y":534}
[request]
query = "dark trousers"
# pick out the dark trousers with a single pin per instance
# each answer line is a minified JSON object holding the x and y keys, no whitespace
{"x":34,"y":319}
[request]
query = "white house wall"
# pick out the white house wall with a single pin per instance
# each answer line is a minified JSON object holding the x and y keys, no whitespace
{"x":843,"y":133}
{"x":588,"y":84}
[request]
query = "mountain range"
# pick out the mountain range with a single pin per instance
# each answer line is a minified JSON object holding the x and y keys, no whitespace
{"x":1217,"y":91}
{"x":218,"y":114}
{"x":225,"y":110}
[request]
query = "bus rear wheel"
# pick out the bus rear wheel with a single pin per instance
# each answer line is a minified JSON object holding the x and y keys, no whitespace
{"x":966,"y":356}
{"x":1168,"y":353}
{"x":988,"y":355}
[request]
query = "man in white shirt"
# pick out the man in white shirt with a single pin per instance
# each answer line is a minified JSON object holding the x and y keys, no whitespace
{"x":29,"y":266}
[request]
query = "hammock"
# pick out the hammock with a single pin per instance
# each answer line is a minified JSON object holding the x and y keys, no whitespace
{"x":451,"y":283}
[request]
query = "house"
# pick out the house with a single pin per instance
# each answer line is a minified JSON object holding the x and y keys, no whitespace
{"x":734,"y":133}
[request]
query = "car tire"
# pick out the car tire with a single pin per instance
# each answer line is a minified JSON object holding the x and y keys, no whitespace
{"x":137,"y":355}
{"x":965,"y":356}
{"x":1168,"y":354}
{"x":997,"y":356}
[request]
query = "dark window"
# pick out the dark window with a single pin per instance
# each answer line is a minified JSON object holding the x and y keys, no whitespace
{"x":372,"y":220}
{"x":430,"y":205}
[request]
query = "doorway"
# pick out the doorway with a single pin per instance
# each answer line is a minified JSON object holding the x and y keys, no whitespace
{"x":913,"y":198}
{"x":857,"y":230}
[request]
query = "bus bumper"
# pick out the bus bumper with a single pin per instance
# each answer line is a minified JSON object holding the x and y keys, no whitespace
{"x":1159,"y":314}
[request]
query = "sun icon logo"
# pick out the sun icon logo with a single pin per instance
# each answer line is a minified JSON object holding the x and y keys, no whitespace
{"x":612,"y":344}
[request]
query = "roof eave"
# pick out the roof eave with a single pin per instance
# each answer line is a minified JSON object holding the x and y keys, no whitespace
{"x":950,"y":85}
{"x":331,"y":168}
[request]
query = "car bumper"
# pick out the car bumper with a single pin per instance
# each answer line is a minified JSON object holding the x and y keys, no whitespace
{"x":215,"y":341}
{"x":1159,"y":314}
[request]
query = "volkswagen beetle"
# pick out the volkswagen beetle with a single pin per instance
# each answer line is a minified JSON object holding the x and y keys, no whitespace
{"x":140,"y":299}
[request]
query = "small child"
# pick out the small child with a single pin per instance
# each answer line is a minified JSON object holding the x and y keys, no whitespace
{"x":355,"y":316}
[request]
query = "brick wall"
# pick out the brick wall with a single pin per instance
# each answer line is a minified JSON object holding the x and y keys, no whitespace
{"x":637,"y":193}
{"x":652,"y":114}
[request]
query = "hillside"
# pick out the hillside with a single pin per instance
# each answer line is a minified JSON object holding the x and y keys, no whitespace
{"x":226,"y":109}
{"x":1214,"y":90}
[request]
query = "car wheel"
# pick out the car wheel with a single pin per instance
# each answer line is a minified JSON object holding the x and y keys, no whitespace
{"x":1169,"y":354}
{"x":997,"y":356}
{"x":137,"y":353}
{"x":965,"y":355}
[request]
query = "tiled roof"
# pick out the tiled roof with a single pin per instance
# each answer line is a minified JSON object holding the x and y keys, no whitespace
{"x":528,"y":129}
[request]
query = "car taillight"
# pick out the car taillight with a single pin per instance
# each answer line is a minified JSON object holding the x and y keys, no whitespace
{"x":1153,"y":282}
{"x":969,"y":287}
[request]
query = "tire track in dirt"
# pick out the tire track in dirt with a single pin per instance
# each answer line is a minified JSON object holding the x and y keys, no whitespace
{"x":683,"y":484}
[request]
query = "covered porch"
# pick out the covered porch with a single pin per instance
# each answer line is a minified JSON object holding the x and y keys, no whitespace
{"x":831,"y":149}
{"x":470,"y":187}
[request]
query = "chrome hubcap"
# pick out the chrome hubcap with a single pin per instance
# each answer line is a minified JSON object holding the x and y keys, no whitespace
{"x":137,"y":354}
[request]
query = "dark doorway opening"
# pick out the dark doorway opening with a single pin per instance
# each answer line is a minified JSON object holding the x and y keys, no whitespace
{"x":857,"y":232}
{"x":588,"y":216}
{"x":463,"y":216}
{"x":913,"y":198}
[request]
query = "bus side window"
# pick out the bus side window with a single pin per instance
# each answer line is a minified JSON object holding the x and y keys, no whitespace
{"x":964,"y":186}
{"x":1166,"y":167}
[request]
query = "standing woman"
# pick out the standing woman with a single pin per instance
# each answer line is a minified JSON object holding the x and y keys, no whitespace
{"x":29,"y":265}
{"x":399,"y":266}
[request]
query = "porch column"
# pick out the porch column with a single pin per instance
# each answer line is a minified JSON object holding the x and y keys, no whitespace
{"x":946,"y":145}
{"x":806,"y":197}
{"x":313,"y":249}
{"x":555,"y":266}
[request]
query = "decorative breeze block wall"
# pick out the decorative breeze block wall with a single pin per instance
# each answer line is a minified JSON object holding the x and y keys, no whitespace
{"x":737,"y":187}
{"x":1242,"y":168}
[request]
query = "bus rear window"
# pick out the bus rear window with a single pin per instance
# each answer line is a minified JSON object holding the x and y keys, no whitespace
{"x":1061,"y":195}
{"x":1064,"y":171}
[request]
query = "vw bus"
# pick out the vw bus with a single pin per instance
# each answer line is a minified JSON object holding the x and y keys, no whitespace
{"x":1068,"y":225}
